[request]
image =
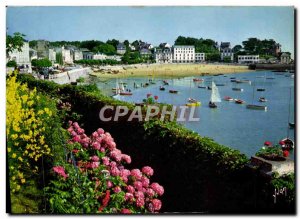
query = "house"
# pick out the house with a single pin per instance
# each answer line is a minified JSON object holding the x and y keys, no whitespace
{"x":87,"y":54}
{"x":32,"y":54}
{"x":77,"y":55}
{"x":163,"y":55}
{"x":66,"y":54}
{"x":164,"y":45}
{"x":276,"y":49}
{"x":199,"y":57}
{"x":226,"y":51}
{"x":52,"y":55}
{"x":121,"y":48}
{"x":285,"y":58}
{"x":145,"y":53}
{"x":114,"y":57}
{"x":131,"y":47}
{"x":99,"y":56}
{"x":248,"y":59}
{"x":22,"y":57}
{"x":184,"y":54}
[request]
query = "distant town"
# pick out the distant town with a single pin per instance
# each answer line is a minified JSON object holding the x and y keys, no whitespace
{"x":114,"y":52}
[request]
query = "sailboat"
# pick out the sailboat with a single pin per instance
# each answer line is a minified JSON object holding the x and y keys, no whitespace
{"x":254,"y":106}
{"x":287,"y":143}
{"x":117,"y":90}
{"x":215,"y":96}
{"x":123,"y":92}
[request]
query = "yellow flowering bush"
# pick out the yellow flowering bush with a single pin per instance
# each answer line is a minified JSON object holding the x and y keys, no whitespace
{"x":30,"y":123}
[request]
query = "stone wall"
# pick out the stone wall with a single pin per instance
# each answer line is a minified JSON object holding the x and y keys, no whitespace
{"x":70,"y":76}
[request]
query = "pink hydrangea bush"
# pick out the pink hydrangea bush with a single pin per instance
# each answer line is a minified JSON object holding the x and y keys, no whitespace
{"x":98,"y":157}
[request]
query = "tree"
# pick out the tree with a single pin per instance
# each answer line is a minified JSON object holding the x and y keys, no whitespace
{"x":201,"y":45}
{"x":107,"y":49}
{"x":227,"y":59}
{"x":90,"y":44}
{"x":11,"y":63}
{"x":113,"y":42}
{"x":14,"y":42}
{"x":41,"y":63}
{"x":59,"y":58}
{"x":237,"y":48}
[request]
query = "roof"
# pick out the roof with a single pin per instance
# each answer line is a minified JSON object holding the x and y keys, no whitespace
{"x":178,"y":46}
{"x":285,"y":55}
{"x":145,"y":50}
{"x":121,"y":46}
{"x":225,"y":45}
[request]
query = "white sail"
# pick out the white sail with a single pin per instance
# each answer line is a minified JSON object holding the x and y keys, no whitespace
{"x":122,"y":87}
{"x":215,"y":96}
{"x":117,"y":87}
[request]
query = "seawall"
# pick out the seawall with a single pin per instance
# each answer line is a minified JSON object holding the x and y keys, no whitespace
{"x":70,"y":76}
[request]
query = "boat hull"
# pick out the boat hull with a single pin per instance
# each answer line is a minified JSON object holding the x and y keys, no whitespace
{"x":256,"y":107}
{"x":194,"y":104}
{"x":125,"y":94}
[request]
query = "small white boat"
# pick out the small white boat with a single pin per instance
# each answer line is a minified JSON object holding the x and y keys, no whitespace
{"x":287,"y":144}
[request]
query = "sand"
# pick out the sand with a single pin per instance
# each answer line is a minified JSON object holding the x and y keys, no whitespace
{"x":167,"y":70}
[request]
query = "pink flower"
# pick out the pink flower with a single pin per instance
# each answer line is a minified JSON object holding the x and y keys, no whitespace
{"x":96,"y":146}
{"x":80,"y":131}
{"x":113,"y":164}
{"x":76,"y":138}
{"x":150,"y":192}
{"x":145,"y":181}
{"x":100,"y":131}
{"x":136,"y":173}
{"x":60,"y":171}
{"x":93,"y":165}
{"x":95,"y":135}
{"x":125,"y":211}
{"x":139,"y":194}
{"x":73,"y":133}
{"x":114,"y":171}
{"x":147,"y":171}
{"x":128,"y":197}
{"x":130,"y":189}
{"x":157,"y":188}
{"x":70,"y":129}
{"x":105,"y":161}
{"x":75,"y":124}
{"x":156,"y":204}
{"x":94,"y":158}
{"x":109,"y":184}
{"x":138,"y":185}
{"x":117,"y":189}
{"x":126,"y":158}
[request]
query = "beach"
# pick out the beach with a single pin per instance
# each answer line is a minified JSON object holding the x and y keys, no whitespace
{"x":166,"y":70}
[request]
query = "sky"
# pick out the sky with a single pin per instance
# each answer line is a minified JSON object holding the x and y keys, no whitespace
{"x":154,"y":24}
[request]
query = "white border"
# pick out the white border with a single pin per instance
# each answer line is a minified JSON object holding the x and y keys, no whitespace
{"x":3,"y":3}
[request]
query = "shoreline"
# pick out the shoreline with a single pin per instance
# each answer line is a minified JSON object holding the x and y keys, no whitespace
{"x":167,"y":70}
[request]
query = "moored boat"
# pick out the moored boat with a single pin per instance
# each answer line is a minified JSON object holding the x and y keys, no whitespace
{"x":125,"y":93}
{"x":220,"y":85}
{"x":260,"y":89}
{"x":237,"y":89}
{"x":292,"y":125}
{"x":239,"y":101}
{"x":161,"y":88}
{"x":256,"y":107}
{"x":233,"y":80}
{"x":243,"y":81}
{"x":227,"y":98}
{"x":262,"y":99}
{"x":198,"y":79}
{"x":165,"y":82}
{"x":173,"y":91}
{"x":204,"y":87}
{"x":215,"y":96}
{"x":197,"y":103}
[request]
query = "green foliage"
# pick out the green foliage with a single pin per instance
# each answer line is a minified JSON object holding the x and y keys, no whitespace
{"x":201,"y":45}
{"x":14,"y":42}
{"x":254,"y":46}
{"x":11,"y":63}
{"x":41,"y":63}
{"x":59,"y":58}
{"x":97,"y":62}
{"x":269,"y":151}
{"x":106,"y":49}
{"x":80,"y":80}
{"x":213,"y":57}
{"x":113,"y":42}
{"x":227,"y":59}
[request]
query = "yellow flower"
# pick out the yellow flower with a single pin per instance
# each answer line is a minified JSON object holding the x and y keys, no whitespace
{"x":14,"y":155}
{"x":8,"y":150}
{"x":20,"y":159}
{"x":18,"y":187}
{"x":23,"y":181}
{"x":13,"y":178}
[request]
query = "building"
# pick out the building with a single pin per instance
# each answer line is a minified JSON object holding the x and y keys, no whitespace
{"x":114,"y":57}
{"x":199,"y":57}
{"x":78,"y":55}
{"x":184,"y":54}
{"x":121,"y":48}
{"x":248,"y":59}
{"x":99,"y":56}
{"x":145,"y":53}
{"x":42,"y":49}
{"x":164,"y":45}
{"x":87,"y":54}
{"x":163,"y":55}
{"x":277,"y":49}
{"x":285,"y":58}
{"x":52,"y":55}
{"x":67,"y":55}
{"x":131,"y":47}
{"x":22,"y":58}
{"x":226,"y":51}
{"x":32,"y":54}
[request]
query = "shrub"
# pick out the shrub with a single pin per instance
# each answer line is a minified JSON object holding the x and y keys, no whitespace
{"x":11,"y":63}
{"x":96,"y":180}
